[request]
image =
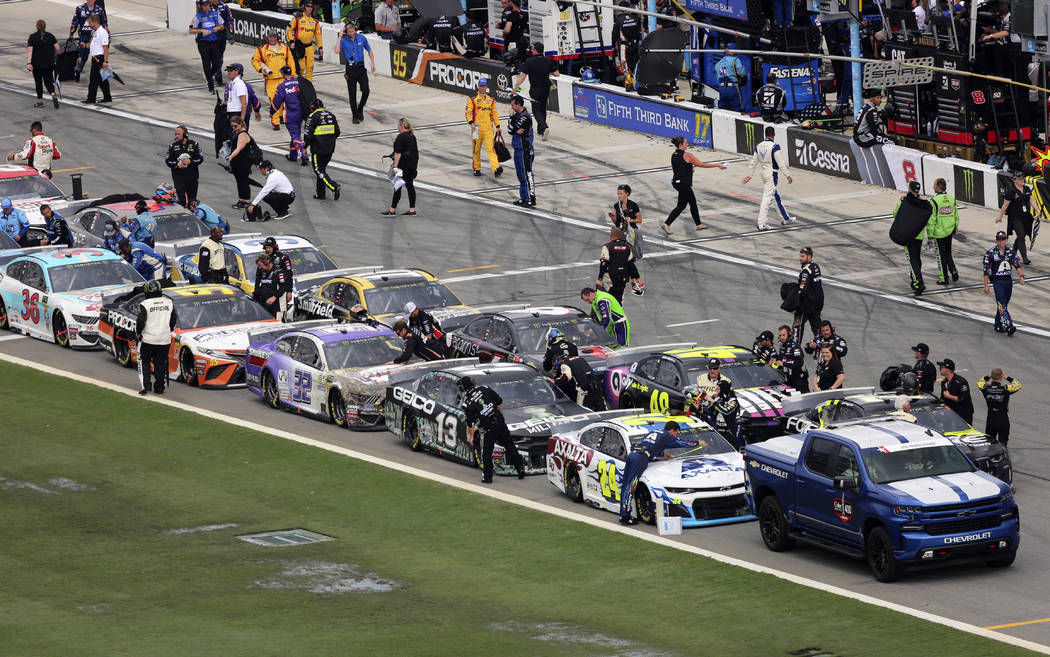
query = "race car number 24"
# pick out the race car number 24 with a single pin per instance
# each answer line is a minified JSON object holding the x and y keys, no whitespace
{"x":607,"y":478}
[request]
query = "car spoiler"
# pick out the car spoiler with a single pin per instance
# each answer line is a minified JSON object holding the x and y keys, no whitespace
{"x":413,"y":371}
{"x":280,"y":330}
{"x":629,"y":355}
{"x":798,"y":403}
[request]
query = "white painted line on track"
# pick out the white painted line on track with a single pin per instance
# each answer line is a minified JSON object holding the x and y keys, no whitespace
{"x":115,"y":13}
{"x":699,"y":321}
{"x":12,"y":337}
{"x":488,"y":491}
{"x":503,"y":206}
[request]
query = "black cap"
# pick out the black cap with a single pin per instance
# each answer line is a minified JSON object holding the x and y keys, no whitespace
{"x":714,"y":364}
{"x":724,"y":386}
{"x":915,"y":186}
{"x":765,"y":335}
{"x":807,"y":250}
{"x":235,"y":67}
{"x":286,"y":70}
{"x":1000,"y":235}
{"x":922,"y":348}
{"x":947,"y":362}
{"x":1018,"y":174}
{"x":466,"y":383}
{"x":266,"y":164}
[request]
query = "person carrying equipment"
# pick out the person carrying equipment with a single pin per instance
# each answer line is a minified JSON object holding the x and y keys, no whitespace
{"x":483,"y":119}
{"x":211,"y":259}
{"x":269,"y":59}
{"x":483,"y":408}
{"x":303,"y":35}
{"x":910,"y":219}
{"x":608,"y":312}
{"x":154,"y":323}
{"x":648,"y":449}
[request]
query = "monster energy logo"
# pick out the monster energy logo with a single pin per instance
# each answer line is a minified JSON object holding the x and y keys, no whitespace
{"x":967,"y":180}
{"x":749,"y":136}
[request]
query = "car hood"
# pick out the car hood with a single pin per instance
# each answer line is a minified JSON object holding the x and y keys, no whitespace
{"x":90,"y":300}
{"x":378,"y":377}
{"x":714,"y":471}
{"x":947,"y":489}
{"x":763,"y":403}
{"x":234,"y":336}
{"x":541,"y":420}
{"x":31,"y":206}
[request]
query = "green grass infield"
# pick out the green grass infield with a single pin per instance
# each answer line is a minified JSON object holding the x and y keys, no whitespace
{"x":99,"y":492}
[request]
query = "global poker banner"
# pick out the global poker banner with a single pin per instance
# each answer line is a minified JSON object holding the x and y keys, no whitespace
{"x":641,"y":114}
{"x":250,"y":27}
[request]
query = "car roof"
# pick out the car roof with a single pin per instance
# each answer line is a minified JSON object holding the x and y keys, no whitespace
{"x":392,"y":277}
{"x":62,"y":257}
{"x":531,"y":313}
{"x":252,"y":244}
{"x":203,"y":291}
{"x":16,"y":171}
{"x":725,"y":353}
{"x":649,"y":422}
{"x":151,"y":205}
{"x":481,"y":371}
{"x":350,"y":330}
{"x":876,"y":433}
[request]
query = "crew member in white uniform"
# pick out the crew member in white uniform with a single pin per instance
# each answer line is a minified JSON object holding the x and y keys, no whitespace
{"x":771,"y":156}
{"x":38,"y":151}
{"x":707,"y":392}
{"x":277,"y":191}
{"x":153,"y":326}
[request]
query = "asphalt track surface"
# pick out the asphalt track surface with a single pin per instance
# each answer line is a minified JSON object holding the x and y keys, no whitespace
{"x":492,"y":252}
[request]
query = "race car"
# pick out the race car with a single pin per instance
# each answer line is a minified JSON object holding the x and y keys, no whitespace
{"x":663,"y":382}
{"x":56,"y":294}
{"x":28,"y":190}
{"x":7,"y":242}
{"x":334,"y":371}
{"x":519,"y":335}
{"x":703,"y":485}
{"x":210,"y":340}
{"x":426,"y":415}
{"x":243,"y":249}
{"x":817,"y":410}
{"x":382,"y":293}
{"x":177,"y":230}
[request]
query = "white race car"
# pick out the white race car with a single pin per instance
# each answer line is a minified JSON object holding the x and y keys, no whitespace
{"x":703,"y":485}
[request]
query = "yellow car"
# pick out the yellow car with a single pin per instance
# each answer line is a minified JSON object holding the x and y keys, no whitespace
{"x":241,"y":251}
{"x":382,"y":293}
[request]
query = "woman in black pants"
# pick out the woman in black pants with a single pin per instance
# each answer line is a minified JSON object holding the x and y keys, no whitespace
{"x":1017,"y":206}
{"x":41,"y":51}
{"x":682,"y":164}
{"x":240,"y":162}
{"x":406,"y":158}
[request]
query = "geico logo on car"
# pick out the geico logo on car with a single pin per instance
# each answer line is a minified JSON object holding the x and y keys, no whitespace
{"x":454,"y":75}
{"x":813,"y":155}
{"x":967,"y":538}
{"x":413,"y":400}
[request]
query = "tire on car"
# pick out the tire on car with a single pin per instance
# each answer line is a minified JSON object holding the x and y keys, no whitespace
{"x":60,"y":329}
{"x":271,"y":395}
{"x":188,"y":367}
{"x":643,"y":501}
{"x":573,"y":487}
{"x":337,"y":408}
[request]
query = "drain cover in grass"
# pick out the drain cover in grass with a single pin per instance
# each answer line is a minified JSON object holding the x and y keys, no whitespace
{"x":285,"y":537}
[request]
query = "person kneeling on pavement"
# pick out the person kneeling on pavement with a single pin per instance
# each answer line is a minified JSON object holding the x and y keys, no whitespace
{"x":575,"y":377}
{"x":272,"y":286}
{"x":648,"y":449}
{"x":277,"y":191}
{"x":156,"y":320}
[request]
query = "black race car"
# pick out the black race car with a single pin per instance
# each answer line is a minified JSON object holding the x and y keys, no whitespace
{"x":817,"y":410}
{"x":519,"y":335}
{"x":426,"y":413}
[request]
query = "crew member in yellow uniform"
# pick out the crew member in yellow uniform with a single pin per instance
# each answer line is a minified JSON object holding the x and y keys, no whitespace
{"x":483,"y":119}
{"x":303,"y":35}
{"x":268,"y":60}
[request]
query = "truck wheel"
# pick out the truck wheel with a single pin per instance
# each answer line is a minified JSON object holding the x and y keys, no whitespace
{"x":881,"y":560}
{"x":772,"y":525}
{"x":573,"y":488}
{"x":643,"y":499}
{"x":1004,"y":562}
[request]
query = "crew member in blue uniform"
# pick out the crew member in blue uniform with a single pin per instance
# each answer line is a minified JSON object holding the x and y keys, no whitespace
{"x":731,"y":76}
{"x":152,"y":265}
{"x":207,"y":24}
{"x":14,"y":221}
{"x":56,"y":228}
{"x":998,"y":262}
{"x":520,"y":126}
{"x":227,"y":19}
{"x":648,"y":449}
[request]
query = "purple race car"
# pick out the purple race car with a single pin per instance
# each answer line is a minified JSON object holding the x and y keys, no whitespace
{"x":329,"y":370}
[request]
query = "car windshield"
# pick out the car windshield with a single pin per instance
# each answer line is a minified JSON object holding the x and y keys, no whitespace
{"x":533,"y":391}
{"x":86,"y":275}
{"x":743,"y":374}
{"x":177,"y":226}
{"x":581,"y":331}
{"x":710,"y":442}
{"x":361,"y":353}
{"x":888,"y":467}
{"x":306,"y":260}
{"x":424,"y":294}
{"x":31,"y":186}
{"x":218,"y":311}
{"x":7,"y":242}
{"x":939,"y":418}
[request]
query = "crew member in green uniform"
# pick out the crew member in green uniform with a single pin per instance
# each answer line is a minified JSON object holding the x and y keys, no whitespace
{"x":941,"y":228}
{"x":608,"y":312}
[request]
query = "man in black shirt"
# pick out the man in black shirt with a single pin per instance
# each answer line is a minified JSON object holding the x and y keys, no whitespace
{"x":320,"y":132}
{"x":955,"y":391}
{"x":770,"y":99}
{"x":539,"y":69}
{"x":483,"y":409}
{"x":762,"y":347}
{"x":923,"y":368}
{"x":997,"y":392}
{"x":520,"y":126}
{"x":810,"y":294}
{"x":827,"y":338}
{"x":558,"y":347}
{"x":475,"y":42}
{"x":424,"y":326}
{"x":415,"y":345}
{"x":271,"y":284}
{"x":628,"y":34}
{"x":617,"y":260}
{"x":791,"y":361}
{"x":512,"y":23}
{"x":184,"y":158}
{"x":439,"y":34}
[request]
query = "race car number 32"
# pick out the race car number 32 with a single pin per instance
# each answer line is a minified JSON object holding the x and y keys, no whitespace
{"x":301,"y":389}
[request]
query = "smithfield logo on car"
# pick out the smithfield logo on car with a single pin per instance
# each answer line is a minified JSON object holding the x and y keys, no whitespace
{"x":811,"y":154}
{"x":413,"y":400}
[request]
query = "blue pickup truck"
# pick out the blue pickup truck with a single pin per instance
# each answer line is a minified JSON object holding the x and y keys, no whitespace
{"x":894,"y":493}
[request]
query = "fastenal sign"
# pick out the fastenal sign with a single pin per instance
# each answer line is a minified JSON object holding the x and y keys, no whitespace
{"x":897,"y":73}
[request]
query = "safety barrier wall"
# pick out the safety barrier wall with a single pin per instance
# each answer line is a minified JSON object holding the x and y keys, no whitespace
{"x":812,"y":150}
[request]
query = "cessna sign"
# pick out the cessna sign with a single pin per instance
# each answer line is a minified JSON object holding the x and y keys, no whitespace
{"x":897,"y":73}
